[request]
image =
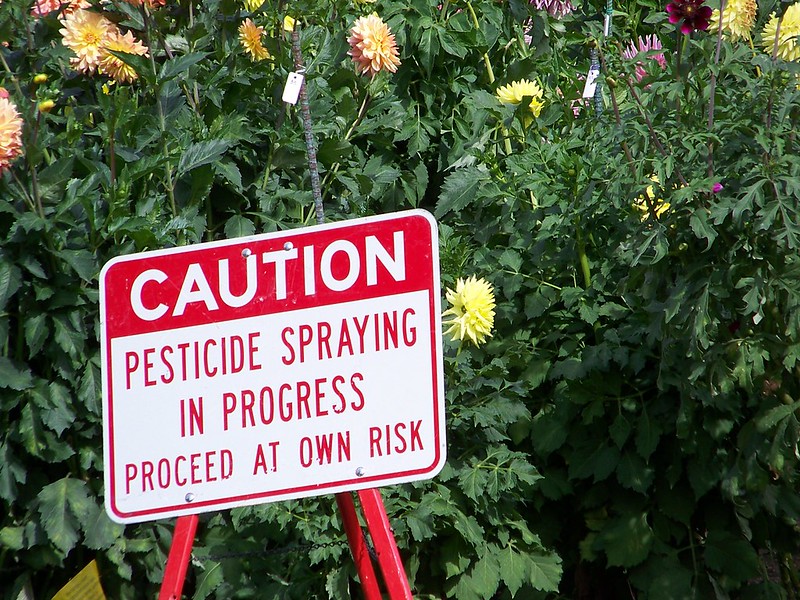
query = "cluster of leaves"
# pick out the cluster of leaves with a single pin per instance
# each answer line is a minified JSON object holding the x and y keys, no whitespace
{"x":632,"y":423}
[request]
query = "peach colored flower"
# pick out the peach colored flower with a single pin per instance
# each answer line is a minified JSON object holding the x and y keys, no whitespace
{"x":113,"y":66}
{"x":10,"y":131}
{"x":86,"y":33}
{"x":372,"y":46}
{"x":250,"y":38}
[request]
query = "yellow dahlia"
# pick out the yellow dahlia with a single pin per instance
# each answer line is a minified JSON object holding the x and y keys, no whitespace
{"x":288,"y":23}
{"x":250,"y":37}
{"x":372,"y":46}
{"x":513,"y":93}
{"x":10,"y":131}
{"x":86,"y":33}
{"x":67,"y":7}
{"x":659,"y":205}
{"x":113,"y":66}
{"x":788,"y":46}
{"x":472,"y":310}
{"x":737,"y":20}
{"x":252,"y":5}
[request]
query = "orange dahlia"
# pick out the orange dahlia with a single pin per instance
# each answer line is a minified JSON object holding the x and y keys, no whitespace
{"x":250,"y":38}
{"x":86,"y":33}
{"x":111,"y":65}
{"x":372,"y":46}
{"x":10,"y":131}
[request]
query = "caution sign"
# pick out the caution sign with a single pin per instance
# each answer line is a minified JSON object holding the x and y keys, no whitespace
{"x":272,"y":367}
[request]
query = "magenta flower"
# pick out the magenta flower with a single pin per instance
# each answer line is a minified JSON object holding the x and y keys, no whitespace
{"x":716,"y":188}
{"x":646,"y":44}
{"x":691,"y":14}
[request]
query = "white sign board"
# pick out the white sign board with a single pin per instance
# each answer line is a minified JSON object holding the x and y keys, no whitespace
{"x":272,"y":367}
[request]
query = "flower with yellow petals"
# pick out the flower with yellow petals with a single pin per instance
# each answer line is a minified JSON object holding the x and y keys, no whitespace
{"x":513,"y":93}
{"x":113,"y":66}
{"x":737,"y":19}
{"x":363,"y":2}
{"x":10,"y":131}
{"x":788,"y":45}
{"x":86,"y":33}
{"x":472,"y":310}
{"x":250,"y":37}
{"x":651,"y":197}
{"x":288,"y":24}
{"x":252,"y":5}
{"x":372,"y":46}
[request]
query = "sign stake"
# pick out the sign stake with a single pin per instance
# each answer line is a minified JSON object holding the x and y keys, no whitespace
{"x":178,"y":559}
{"x":358,"y":546}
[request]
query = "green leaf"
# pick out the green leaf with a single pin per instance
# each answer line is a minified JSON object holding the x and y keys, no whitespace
{"x":239,"y":226}
{"x":12,"y":377}
{"x":459,"y":189}
{"x":10,"y":282}
{"x":513,"y":569}
{"x":83,"y":262}
{"x":201,"y":153}
{"x":773,"y":416}
{"x":101,"y":532}
{"x":633,"y":473}
{"x":731,"y":555}
{"x":626,"y":540}
{"x":63,"y":506}
{"x":12,"y":472}
{"x":544,"y":571}
{"x":175,"y":66}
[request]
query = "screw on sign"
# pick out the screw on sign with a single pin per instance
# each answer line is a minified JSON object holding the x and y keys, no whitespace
{"x":272,"y":367}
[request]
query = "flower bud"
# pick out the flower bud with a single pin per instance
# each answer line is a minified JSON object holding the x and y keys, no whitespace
{"x":288,"y":23}
{"x":45,"y":106}
{"x":40,"y":78}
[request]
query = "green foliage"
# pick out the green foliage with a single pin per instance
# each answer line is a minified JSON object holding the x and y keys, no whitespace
{"x":632,"y":423}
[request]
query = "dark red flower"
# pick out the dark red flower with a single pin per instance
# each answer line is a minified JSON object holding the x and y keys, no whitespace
{"x":693,"y":15}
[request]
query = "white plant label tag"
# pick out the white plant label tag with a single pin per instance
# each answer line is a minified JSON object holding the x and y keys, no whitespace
{"x":591,"y":82}
{"x":291,"y":91}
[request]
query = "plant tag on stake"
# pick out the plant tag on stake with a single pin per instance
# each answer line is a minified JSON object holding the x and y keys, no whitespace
{"x":291,"y":91}
{"x":591,"y":82}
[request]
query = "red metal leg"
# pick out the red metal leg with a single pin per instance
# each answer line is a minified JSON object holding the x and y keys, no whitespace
{"x":355,"y":537}
{"x":178,"y":559}
{"x":380,"y":530}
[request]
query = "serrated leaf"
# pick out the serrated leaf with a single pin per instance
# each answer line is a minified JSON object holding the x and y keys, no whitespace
{"x":35,"y":328}
{"x":228,"y":169}
{"x":513,"y":569}
{"x":10,"y":281}
{"x":620,"y":430}
{"x":12,"y":538}
{"x":775,"y":415}
{"x":12,"y":377}
{"x":12,"y":472}
{"x":101,"y":532}
{"x":239,"y":226}
{"x":544,"y":571}
{"x":485,"y":576}
{"x":83,"y":262}
{"x":626,"y":540}
{"x":201,"y":153}
{"x":459,"y":189}
{"x":648,"y":432}
{"x":63,"y":505}
{"x":633,"y":473}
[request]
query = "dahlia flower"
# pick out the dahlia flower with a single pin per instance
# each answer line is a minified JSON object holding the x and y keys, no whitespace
{"x":113,"y":66}
{"x":372,"y":46}
{"x":10,"y":131}
{"x":472,"y":310}
{"x":648,"y":43}
{"x":642,"y":204}
{"x":691,"y":14}
{"x":252,"y":5}
{"x":67,"y":7}
{"x":513,"y":93}
{"x":788,"y":46}
{"x":86,"y":33}
{"x":250,"y":38}
{"x":556,"y":8}
{"x":737,"y":19}
{"x":288,"y":23}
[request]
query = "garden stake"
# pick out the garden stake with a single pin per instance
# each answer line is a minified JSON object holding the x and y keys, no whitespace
{"x":311,"y":149}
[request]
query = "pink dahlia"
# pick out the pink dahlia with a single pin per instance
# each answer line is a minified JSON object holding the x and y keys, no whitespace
{"x":649,"y":43}
{"x":10,"y":131}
